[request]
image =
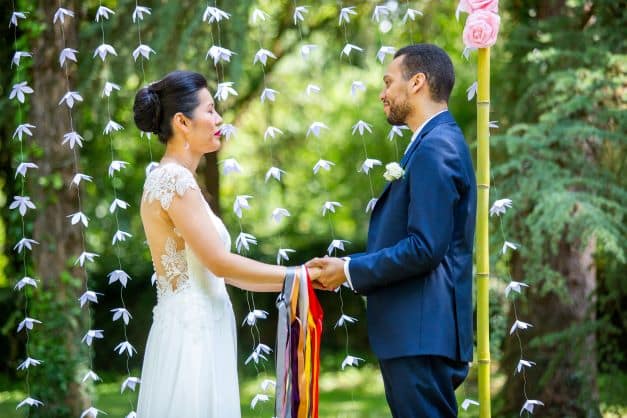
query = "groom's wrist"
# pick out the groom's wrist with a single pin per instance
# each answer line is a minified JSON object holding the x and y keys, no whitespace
{"x":347,"y":273}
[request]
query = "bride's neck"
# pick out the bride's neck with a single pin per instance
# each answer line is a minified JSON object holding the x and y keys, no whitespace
{"x":175,"y":151}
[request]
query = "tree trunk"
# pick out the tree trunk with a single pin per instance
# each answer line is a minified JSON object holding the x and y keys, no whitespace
{"x":564,"y":377}
{"x":60,"y":243}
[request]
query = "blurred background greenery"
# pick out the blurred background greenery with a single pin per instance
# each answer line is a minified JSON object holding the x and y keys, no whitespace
{"x":558,"y":94}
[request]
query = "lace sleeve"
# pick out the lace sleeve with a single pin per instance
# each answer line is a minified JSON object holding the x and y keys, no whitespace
{"x":163,"y":182}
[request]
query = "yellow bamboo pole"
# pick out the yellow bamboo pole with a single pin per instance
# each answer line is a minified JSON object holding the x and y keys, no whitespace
{"x":483,"y":251}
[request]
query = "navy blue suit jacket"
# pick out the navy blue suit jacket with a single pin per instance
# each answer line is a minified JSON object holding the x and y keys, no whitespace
{"x":417,"y":269}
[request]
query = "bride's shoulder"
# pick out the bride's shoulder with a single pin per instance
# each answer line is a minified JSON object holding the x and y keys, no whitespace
{"x":165,"y":180}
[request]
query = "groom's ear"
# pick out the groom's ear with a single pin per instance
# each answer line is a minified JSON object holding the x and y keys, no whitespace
{"x":417,"y":82}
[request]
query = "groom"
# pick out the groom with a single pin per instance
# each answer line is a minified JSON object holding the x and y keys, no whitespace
{"x":417,"y":268}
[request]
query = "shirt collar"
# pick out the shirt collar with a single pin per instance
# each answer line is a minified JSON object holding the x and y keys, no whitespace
{"x":421,"y":127}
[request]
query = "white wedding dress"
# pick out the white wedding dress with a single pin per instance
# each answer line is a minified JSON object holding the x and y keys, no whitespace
{"x":190,"y":365}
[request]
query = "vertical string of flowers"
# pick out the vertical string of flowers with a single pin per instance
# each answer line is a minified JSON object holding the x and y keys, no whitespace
{"x":117,"y":275}
{"x":79,"y":219}
{"x":22,"y":204}
{"x":143,"y":51}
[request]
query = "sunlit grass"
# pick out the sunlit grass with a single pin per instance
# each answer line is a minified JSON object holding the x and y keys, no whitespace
{"x":354,"y":393}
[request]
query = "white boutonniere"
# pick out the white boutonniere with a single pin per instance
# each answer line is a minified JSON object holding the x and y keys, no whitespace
{"x":393,"y":171}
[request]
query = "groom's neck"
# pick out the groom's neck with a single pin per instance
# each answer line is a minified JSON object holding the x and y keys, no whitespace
{"x":422,"y":112}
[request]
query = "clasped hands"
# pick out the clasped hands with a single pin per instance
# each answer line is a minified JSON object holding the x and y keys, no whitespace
{"x":326,"y":273}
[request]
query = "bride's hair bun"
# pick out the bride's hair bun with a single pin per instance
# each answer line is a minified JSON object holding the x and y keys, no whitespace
{"x":156,"y":104}
{"x":147,"y":110}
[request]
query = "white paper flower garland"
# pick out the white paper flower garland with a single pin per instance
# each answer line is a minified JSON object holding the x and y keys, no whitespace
{"x":118,"y":275}
{"x":78,"y":219}
{"x":23,"y":204}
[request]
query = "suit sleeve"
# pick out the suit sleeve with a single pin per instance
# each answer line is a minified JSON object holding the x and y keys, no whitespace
{"x":434,"y":172}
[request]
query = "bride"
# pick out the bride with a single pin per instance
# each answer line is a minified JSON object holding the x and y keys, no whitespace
{"x":190,"y":367}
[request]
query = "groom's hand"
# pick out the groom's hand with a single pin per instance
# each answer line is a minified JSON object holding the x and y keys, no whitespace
{"x":332,"y":271}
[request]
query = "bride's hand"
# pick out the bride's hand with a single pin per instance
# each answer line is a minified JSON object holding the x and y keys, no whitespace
{"x":314,"y":273}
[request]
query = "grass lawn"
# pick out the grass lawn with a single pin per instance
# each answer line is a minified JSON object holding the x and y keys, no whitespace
{"x":354,"y":393}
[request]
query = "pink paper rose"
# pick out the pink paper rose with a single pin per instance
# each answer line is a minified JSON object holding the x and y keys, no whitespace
{"x":481,"y":29}
{"x":470,"y":6}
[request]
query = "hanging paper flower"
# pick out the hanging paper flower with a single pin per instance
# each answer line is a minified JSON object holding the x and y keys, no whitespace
{"x":337,"y":244}
{"x":271,"y":132}
{"x":79,"y":217}
{"x":315,"y":128}
{"x":519,"y":325}
{"x":91,"y":412}
{"x":411,"y":14}
{"x":103,"y":12}
{"x":241,"y":202}
{"x":14,"y":18}
{"x":130,"y":383}
{"x":467,"y":402}
{"x":118,"y":276}
{"x":348,"y":48}
{"x":500,"y":207}
{"x":116,"y":165}
{"x":22,"y":168}
{"x":529,"y":405}
{"x":219,"y":54}
{"x":73,"y":138}
{"x":324,"y":164}
{"x":225,"y":89}
{"x":108,"y":88}
{"x":269,"y":94}
{"x":27,"y":323}
{"x":252,"y":316}
{"x":345,"y":14}
{"x":330,"y":207}
{"x":262,"y":56}
{"x":70,"y":98}
{"x":231,"y":166}
{"x":360,"y":126}
{"x":227,"y":131}
{"x":67,"y":54}
{"x":344,"y":319}
{"x":357,"y":86}
{"x":312,"y":88}
{"x":351,"y":361}
{"x":274,"y":172}
{"x":25,"y":281}
{"x":514,"y":286}
{"x":103,"y":50}
{"x":24,"y":128}
{"x":144,"y":51}
{"x":85,"y":256}
{"x":18,"y":56}
{"x":299,"y":11}
{"x":91,"y":375}
{"x":383,"y":51}
{"x":213,"y":14}
{"x":371,"y":204}
{"x":60,"y":15}
{"x":25,"y":243}
{"x":29,"y":362}
{"x":369,"y":164}
{"x":125,"y":346}
{"x":259,"y":15}
{"x":379,"y":12}
{"x":19,"y":90}
{"x":30,"y":402}
{"x":279,"y":213}
{"x":283,"y":254}
{"x":397,"y":131}
{"x":138,"y":13}
{"x":244,"y":241}
{"x":22,"y":203}
{"x":118,"y":203}
{"x":89,"y":296}
{"x":260,"y":397}
{"x":121,"y":313}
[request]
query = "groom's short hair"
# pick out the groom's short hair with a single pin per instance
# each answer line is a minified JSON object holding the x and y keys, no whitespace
{"x":434,"y":63}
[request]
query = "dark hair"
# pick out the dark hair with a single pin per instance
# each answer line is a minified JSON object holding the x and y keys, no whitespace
{"x":434,"y":63}
{"x":156,"y":104}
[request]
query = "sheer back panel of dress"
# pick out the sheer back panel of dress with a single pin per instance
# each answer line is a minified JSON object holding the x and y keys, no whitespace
{"x":167,"y":247}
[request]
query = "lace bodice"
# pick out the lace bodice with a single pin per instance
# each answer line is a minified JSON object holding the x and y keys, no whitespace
{"x":176,"y":266}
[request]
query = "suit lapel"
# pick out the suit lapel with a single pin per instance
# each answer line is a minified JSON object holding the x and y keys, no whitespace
{"x":444,"y":117}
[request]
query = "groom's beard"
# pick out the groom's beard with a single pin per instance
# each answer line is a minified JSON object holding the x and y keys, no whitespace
{"x":399,"y":113}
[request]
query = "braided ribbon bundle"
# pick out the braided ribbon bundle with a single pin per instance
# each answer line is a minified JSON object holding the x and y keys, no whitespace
{"x":298,"y":347}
